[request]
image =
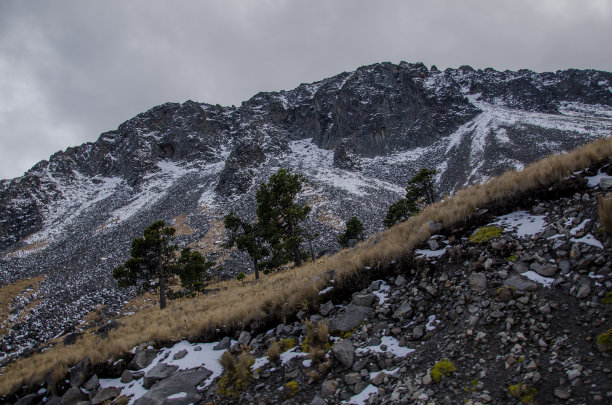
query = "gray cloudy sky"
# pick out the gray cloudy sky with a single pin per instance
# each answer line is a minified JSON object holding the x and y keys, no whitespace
{"x":70,"y":70}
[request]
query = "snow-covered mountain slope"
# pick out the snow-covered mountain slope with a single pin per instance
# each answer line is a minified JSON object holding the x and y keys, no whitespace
{"x":358,"y":137}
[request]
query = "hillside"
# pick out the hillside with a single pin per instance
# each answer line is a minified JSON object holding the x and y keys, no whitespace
{"x":357,"y":137}
{"x":507,"y":283}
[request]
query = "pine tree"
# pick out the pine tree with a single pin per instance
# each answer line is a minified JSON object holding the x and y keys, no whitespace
{"x":354,"y":231}
{"x":246,"y":237}
{"x":280,"y":216}
{"x":153,"y":257}
{"x":420,"y":192}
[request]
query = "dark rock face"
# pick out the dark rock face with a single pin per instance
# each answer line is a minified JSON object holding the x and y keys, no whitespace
{"x":357,"y":137}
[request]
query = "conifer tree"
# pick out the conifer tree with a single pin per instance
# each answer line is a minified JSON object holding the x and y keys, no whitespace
{"x":420,"y":192}
{"x":354,"y":231}
{"x":246,"y":237}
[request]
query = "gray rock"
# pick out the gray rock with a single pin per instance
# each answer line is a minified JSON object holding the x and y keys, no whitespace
{"x":244,"y":338}
{"x":30,"y":399}
{"x":521,"y":284}
{"x":564,"y":266}
{"x":328,"y":388}
{"x":562,"y":394}
{"x":400,"y":281}
{"x":317,"y":400}
{"x":142,"y":359}
{"x":224,"y":344}
{"x":126,"y":377}
{"x":80,"y":372}
{"x":584,"y":290}
{"x":352,"y":378}
{"x":344,"y":352}
{"x":106,"y":394}
{"x":404,"y":311}
{"x":73,"y":395}
{"x":519,"y":267}
{"x":92,"y":384}
{"x":182,"y":381}
{"x":433,"y":244}
{"x":180,"y":355}
{"x":418,"y":332}
{"x":478,"y":281}
{"x":605,"y":183}
{"x":546,"y":270}
{"x":326,"y":308}
{"x":364,"y":300}
{"x":158,"y":372}
{"x":350,"y":318}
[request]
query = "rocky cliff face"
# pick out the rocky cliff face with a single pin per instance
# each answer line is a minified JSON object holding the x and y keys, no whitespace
{"x":357,"y":137}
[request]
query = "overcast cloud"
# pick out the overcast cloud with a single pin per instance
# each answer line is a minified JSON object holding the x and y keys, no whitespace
{"x":70,"y":70}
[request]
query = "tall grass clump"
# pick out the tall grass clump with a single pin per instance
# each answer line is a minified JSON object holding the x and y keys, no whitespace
{"x":235,"y":306}
{"x":604,"y":209}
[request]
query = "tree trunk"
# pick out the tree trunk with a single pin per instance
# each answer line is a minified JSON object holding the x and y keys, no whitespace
{"x":296,"y":256}
{"x":311,"y":250}
{"x":256,"y":264}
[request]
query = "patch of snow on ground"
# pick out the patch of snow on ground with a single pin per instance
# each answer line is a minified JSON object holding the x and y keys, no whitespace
{"x":522,"y":222}
{"x":432,"y":322}
{"x":382,"y":292}
{"x":579,"y":228}
{"x":593,"y":181}
{"x":392,"y":345}
{"x":363,"y":396}
{"x":533,"y":276}
{"x":290,"y":354}
{"x":589,"y":240}
{"x":325,"y":290}
{"x":430,"y":253}
{"x":178,"y":395}
{"x":206,"y":357}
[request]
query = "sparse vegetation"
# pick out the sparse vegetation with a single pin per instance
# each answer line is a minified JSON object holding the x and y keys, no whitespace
{"x":485,"y":234}
{"x":233,"y":307}
{"x":291,"y":389}
{"x":236,"y":374}
{"x":605,"y":340}
{"x":240,"y":277}
{"x":442,"y":368}
{"x":607,"y":300}
{"x":523,"y":392}
{"x":604,"y":209}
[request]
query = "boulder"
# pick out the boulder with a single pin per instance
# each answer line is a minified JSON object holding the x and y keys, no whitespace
{"x":159,"y":372}
{"x":344,"y":352}
{"x":79,"y":372}
{"x":180,"y":382}
{"x":107,"y":394}
{"x":224,"y":344}
{"x":404,"y":311}
{"x":350,"y":318}
{"x":142,"y":359}
{"x":521,"y":284}
{"x":244,"y":338}
{"x":478,"y":281}
{"x":73,"y":395}
{"x":364,"y":300}
{"x":546,"y":270}
{"x":326,"y":308}
{"x":92,"y":384}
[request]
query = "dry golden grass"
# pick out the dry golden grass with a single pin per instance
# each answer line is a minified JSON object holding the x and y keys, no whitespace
{"x":211,"y":244}
{"x":9,"y":292}
{"x":180,"y":224}
{"x":30,"y":248}
{"x":237,"y":306}
{"x":604,"y":208}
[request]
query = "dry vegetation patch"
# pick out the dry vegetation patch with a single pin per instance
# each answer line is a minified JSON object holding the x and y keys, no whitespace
{"x":211,"y":243}
{"x":180,"y":224}
{"x":235,"y":305}
{"x":25,"y":288}
{"x":34,"y":247}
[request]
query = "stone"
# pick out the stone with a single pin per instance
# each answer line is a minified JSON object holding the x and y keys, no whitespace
{"x":71,"y":338}
{"x":521,"y":284}
{"x":142,"y":359}
{"x":404,"y":311}
{"x":158,"y":372}
{"x":427,"y":379}
{"x":519,"y":267}
{"x":478,"y":281}
{"x":92,"y":384}
{"x":379,"y":378}
{"x":244,"y":338}
{"x":79,"y":372}
{"x":400,"y":280}
{"x":350,"y":318}
{"x":185,"y":381}
{"x":106,"y":394}
{"x":73,"y":395}
{"x":328,"y":388}
{"x":344,"y":352}
{"x":572,"y":374}
{"x":418,"y":332}
{"x":363,"y":299}
{"x":317,"y":400}
{"x":126,"y":377}
{"x":487,"y":264}
{"x":433,"y":244}
{"x":352,"y":378}
{"x":605,"y":183}
{"x":224,"y":344}
{"x":547,"y":270}
{"x":180,"y":355}
{"x":584,"y":290}
{"x":561,"y":394}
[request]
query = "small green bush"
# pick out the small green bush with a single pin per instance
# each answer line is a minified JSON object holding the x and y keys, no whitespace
{"x":485,"y":234}
{"x":523,"y":392}
{"x":607,"y":300}
{"x":443,"y":367}
{"x":291,"y":389}
{"x":236,"y":374}
{"x":605,"y":339}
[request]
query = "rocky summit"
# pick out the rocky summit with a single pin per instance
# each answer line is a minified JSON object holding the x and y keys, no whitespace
{"x":357,"y":137}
